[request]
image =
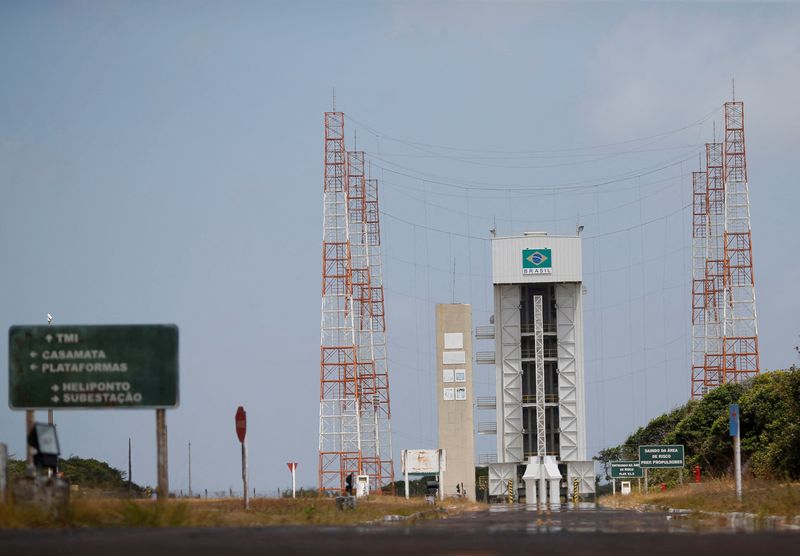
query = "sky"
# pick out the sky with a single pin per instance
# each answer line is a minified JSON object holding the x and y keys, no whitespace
{"x":161,"y":162}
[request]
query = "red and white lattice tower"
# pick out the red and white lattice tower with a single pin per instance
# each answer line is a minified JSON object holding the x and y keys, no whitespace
{"x":383,"y":466}
{"x":699,"y":235}
{"x":724,"y":323}
{"x":354,"y":430}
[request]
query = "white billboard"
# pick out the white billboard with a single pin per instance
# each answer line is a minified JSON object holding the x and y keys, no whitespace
{"x":423,"y":462}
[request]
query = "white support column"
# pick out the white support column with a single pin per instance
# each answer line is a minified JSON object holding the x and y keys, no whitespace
{"x":499,"y":475}
{"x":530,"y":491}
{"x":509,"y":376}
{"x":555,"y":495}
{"x":542,"y":483}
{"x":538,"y":339}
{"x":570,"y":372}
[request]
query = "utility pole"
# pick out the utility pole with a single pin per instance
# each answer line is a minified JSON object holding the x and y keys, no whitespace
{"x":190,"y":469}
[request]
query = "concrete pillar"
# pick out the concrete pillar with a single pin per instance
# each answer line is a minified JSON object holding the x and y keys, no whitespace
{"x":555,"y":497}
{"x":530,"y":491}
{"x":542,"y":485}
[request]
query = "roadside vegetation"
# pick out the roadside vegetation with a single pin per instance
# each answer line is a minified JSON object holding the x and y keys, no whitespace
{"x":86,"y":512}
{"x":760,"y":497}
{"x":102,"y":497}
{"x":770,"y":427}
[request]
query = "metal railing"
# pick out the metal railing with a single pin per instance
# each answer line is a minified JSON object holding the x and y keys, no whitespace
{"x":487,"y":402}
{"x":534,"y":454}
{"x":484,"y":332}
{"x":548,"y":353}
{"x":547,"y":328}
{"x":487,"y":427}
{"x":485,"y":357}
{"x":531,"y":398}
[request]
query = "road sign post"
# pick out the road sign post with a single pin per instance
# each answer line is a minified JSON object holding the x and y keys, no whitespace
{"x":293,"y":468}
{"x":405,"y":472}
{"x":30,"y":419}
{"x":241,"y":433}
{"x":735,"y":432}
{"x":244,"y":476}
{"x":162,"y":489}
{"x":3,"y":472}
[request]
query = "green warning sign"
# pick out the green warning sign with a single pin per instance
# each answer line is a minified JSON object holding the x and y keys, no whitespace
{"x":537,"y":261}
{"x":626,"y":470}
{"x":667,"y":455}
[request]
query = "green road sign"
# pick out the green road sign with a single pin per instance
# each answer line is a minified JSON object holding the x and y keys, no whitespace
{"x":669,"y":455}
{"x":93,"y":366}
{"x":626,"y":470}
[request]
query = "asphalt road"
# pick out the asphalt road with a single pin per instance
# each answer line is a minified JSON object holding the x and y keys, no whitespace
{"x":502,"y":530}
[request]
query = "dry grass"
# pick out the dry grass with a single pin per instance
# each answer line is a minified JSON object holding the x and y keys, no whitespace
{"x":220,"y":512}
{"x":759,"y":497}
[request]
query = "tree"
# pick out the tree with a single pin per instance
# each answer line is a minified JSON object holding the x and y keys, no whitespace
{"x":770,"y":413}
{"x":770,"y":422}
{"x":704,"y":430}
{"x":87,"y":473}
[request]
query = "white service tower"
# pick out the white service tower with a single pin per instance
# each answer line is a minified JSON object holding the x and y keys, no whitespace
{"x":538,"y":334}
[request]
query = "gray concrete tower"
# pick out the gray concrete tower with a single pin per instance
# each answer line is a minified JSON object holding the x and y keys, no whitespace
{"x":455,"y":394}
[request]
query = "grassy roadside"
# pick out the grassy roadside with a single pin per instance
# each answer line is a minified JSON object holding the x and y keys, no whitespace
{"x":759,"y":497}
{"x":221,"y":513}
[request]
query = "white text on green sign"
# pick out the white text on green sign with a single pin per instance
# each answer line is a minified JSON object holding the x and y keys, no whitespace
{"x":625,"y":470}
{"x":85,"y":366}
{"x":669,"y":455}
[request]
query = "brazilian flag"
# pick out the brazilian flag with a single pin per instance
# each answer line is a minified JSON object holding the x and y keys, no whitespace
{"x":536,"y":258}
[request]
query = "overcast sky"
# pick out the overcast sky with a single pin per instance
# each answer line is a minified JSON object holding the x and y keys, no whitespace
{"x":161,"y":162}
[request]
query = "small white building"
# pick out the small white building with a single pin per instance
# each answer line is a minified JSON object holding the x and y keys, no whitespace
{"x":539,"y":360}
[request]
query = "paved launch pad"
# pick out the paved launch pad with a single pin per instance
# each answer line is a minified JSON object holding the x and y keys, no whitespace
{"x":501,"y":530}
